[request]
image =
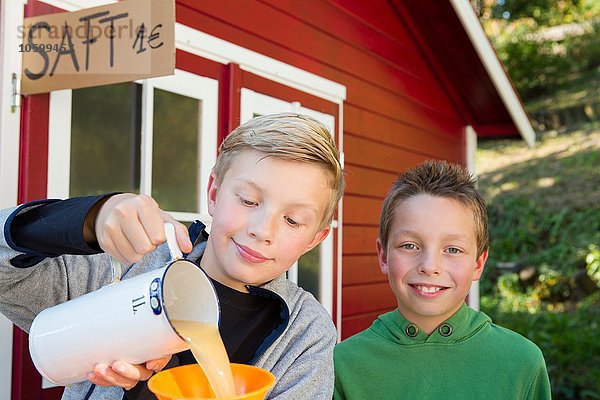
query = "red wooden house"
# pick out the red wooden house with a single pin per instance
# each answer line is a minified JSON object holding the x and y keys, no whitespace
{"x":396,"y":81}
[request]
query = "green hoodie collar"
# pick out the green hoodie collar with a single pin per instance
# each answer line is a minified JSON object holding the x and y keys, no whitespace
{"x":463,"y":324}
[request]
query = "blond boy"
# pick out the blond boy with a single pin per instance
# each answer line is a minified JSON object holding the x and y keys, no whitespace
{"x":433,"y":243}
{"x":271,"y":195}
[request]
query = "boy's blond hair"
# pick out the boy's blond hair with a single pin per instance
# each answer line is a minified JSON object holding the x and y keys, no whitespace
{"x":439,"y":179}
{"x":287,"y":136}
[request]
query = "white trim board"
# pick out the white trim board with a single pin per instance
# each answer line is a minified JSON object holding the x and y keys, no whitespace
{"x":490,"y":61}
{"x":471,"y":150}
{"x":11,"y":16}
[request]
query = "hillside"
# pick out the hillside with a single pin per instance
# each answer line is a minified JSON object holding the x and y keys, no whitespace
{"x":561,"y":171}
{"x":543,"y":203}
{"x":542,"y":277}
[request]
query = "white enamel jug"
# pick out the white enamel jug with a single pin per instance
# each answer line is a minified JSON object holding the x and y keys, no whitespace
{"x":128,"y":320}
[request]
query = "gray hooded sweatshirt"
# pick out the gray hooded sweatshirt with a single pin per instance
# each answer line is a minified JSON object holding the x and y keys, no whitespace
{"x":301,"y":358}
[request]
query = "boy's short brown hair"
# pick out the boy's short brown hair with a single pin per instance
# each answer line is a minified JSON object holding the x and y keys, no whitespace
{"x":440,"y":179}
{"x":289,"y":136}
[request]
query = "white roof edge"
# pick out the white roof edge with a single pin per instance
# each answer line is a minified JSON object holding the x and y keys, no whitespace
{"x":482,"y":45}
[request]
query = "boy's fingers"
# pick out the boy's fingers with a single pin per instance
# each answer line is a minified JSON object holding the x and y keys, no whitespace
{"x":151,"y":219}
{"x":183,"y":238}
{"x":136,"y":242}
{"x":103,"y":375}
{"x":181,"y":233}
{"x":119,"y":247}
{"x":109,"y":247}
{"x":96,"y":379}
{"x":158,"y":364}
{"x":131,"y":371}
{"x":129,"y":226}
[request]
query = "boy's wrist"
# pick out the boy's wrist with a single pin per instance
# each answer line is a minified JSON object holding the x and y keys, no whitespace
{"x":89,"y":224}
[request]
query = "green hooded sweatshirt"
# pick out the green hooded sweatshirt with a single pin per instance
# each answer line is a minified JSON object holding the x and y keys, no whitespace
{"x":467,"y":357}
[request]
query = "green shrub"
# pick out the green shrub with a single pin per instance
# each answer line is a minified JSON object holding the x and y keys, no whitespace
{"x":568,"y":339}
{"x":552,"y":286}
{"x":593,"y":263}
{"x":556,"y":242}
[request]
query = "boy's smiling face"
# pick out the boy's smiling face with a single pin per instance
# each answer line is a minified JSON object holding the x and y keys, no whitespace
{"x":431,"y":258}
{"x":266,"y":213}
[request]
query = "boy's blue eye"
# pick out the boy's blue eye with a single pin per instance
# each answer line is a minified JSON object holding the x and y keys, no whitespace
{"x":453,"y":250}
{"x":408,"y":246}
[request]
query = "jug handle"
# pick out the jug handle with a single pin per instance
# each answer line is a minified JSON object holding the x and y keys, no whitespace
{"x":172,"y":242}
{"x":174,"y":250}
{"x":117,"y":268}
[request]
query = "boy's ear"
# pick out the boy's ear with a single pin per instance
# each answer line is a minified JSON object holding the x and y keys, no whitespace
{"x":318,"y":238}
{"x":381,"y":257}
{"x":211,"y":193}
{"x":480,"y":264}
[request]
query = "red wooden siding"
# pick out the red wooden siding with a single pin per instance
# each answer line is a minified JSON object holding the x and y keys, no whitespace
{"x":361,"y":269}
{"x":397,"y":112}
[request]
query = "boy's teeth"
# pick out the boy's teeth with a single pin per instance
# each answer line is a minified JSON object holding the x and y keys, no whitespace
{"x":429,"y":289}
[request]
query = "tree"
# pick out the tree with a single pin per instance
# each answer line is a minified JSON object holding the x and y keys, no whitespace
{"x":545,"y":44}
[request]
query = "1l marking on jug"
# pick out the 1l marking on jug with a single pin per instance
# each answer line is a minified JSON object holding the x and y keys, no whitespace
{"x":140,"y":301}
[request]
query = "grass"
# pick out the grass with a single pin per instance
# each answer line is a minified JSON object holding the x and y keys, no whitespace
{"x":562,"y":171}
{"x":580,"y":90}
{"x":544,"y":212}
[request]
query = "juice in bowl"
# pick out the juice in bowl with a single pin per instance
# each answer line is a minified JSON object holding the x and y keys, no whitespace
{"x":213,"y":377}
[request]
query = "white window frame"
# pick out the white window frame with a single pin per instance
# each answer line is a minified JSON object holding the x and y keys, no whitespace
{"x":257,"y":103}
{"x":11,"y":18}
{"x":205,"y":90}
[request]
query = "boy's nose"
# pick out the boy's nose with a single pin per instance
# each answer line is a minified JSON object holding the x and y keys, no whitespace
{"x":261,"y":227}
{"x":429,"y":264}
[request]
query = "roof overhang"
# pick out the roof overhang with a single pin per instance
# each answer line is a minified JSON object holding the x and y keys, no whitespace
{"x":461,"y":55}
{"x":492,"y":64}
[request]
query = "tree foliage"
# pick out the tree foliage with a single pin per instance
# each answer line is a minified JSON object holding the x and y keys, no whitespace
{"x":544,"y":44}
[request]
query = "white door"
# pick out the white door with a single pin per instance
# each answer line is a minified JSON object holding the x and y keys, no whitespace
{"x":314,"y":270}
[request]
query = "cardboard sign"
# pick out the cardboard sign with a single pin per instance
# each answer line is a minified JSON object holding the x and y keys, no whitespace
{"x":120,"y":42}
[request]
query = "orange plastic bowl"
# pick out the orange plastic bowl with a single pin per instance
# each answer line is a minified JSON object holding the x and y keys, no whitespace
{"x":188,"y":382}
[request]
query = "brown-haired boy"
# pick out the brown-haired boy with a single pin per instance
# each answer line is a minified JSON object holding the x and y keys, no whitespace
{"x":433,"y":242}
{"x":271,"y":195}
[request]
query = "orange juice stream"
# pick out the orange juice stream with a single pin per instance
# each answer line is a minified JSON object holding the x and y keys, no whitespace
{"x":209,"y":351}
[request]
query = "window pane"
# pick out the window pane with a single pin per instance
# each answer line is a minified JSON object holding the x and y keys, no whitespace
{"x":175,"y":152}
{"x":309,"y":269}
{"x":105,"y":139}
